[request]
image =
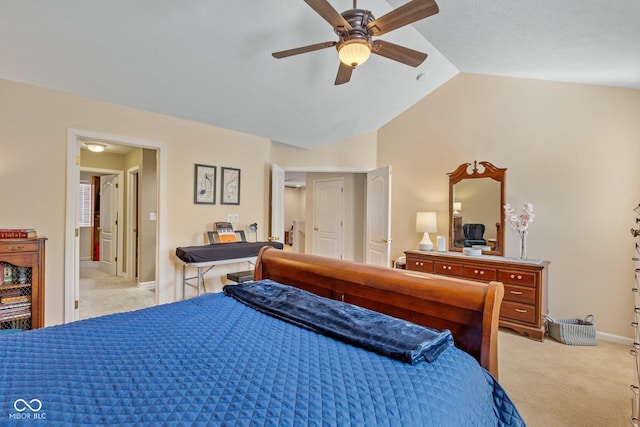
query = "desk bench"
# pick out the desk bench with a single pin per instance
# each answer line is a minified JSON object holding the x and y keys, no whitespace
{"x":241,"y":276}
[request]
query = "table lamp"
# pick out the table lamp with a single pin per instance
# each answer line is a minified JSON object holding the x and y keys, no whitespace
{"x":426,"y":223}
{"x":457,"y":207}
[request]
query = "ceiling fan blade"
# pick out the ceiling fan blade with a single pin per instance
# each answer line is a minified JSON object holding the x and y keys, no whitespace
{"x":324,"y":9}
{"x":344,"y":73}
{"x":304,"y":49}
{"x":398,"y":53}
{"x":406,"y":14}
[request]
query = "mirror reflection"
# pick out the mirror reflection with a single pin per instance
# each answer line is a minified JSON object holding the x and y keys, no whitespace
{"x":476,"y":197}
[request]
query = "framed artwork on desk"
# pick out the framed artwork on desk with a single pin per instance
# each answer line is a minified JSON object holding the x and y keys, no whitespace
{"x":204,"y":185}
{"x":230,"y":186}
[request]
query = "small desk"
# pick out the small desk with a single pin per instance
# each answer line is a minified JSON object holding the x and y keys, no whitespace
{"x":202,"y":268}
{"x":204,"y":258}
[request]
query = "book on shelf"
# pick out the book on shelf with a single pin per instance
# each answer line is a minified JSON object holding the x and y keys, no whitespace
{"x":5,"y":316}
{"x":14,"y":307}
{"x":10,"y":285}
{"x":18,"y":233}
{"x":225,"y":232}
{"x":9,"y":298}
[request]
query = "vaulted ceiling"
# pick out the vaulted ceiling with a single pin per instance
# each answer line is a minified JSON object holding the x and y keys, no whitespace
{"x":210,"y":60}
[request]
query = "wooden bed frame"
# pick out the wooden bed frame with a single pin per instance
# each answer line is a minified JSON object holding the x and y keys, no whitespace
{"x":470,"y":310}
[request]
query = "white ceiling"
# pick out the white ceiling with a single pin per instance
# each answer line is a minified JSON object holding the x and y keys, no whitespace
{"x":210,"y":60}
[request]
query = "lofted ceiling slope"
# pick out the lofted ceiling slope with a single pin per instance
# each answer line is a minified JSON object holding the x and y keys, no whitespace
{"x":210,"y":61}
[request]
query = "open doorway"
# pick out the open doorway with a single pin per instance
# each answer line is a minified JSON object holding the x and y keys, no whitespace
{"x":131,"y":246}
{"x":366,"y":221}
{"x":108,"y":275}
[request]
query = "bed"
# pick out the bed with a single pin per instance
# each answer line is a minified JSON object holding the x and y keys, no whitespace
{"x":218,"y":360}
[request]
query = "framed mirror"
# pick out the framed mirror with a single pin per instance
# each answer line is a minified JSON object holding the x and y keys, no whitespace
{"x":476,"y":198}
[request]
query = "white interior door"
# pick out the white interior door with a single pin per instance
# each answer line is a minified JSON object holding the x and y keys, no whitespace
{"x":108,"y":223}
{"x":277,"y":204}
{"x":328,"y":218}
{"x":378,"y":228}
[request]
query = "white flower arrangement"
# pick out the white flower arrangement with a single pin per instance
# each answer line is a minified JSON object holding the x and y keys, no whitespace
{"x":521,"y":222}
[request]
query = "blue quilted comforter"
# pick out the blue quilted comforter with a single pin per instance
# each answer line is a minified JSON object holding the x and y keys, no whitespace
{"x":212,"y":360}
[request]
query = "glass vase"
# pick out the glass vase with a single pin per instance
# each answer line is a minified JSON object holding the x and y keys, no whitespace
{"x":523,"y":245}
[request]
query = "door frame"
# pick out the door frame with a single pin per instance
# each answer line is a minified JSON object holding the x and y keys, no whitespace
{"x":72,"y":252}
{"x":132,"y":223}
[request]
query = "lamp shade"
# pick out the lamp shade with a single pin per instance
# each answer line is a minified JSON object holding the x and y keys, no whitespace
{"x":354,"y":52}
{"x":426,"y":222}
{"x":457,"y":206}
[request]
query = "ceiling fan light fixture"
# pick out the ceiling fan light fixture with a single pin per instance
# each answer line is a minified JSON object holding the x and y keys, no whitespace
{"x":354,"y":52}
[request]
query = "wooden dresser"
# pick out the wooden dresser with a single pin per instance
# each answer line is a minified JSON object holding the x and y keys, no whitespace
{"x":525,"y":284}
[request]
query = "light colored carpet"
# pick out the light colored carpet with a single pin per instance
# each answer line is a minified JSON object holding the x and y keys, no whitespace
{"x":554,"y":384}
{"x":101,"y":293}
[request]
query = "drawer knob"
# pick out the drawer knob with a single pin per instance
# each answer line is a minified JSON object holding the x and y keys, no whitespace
{"x":519,"y":310}
{"x":516,"y":292}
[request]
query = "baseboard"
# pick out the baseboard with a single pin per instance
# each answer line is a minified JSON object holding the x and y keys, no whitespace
{"x":147,"y":285}
{"x":617,"y":339}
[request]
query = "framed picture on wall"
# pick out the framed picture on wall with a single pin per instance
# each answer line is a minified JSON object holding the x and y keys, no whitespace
{"x":230,"y":186}
{"x":204,"y":185}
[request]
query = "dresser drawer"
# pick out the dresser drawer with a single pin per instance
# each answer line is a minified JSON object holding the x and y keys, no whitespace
{"x":417,"y":264}
{"x":447,"y":268}
{"x":517,"y":278}
{"x":480,"y":273}
{"x":8,"y":247}
{"x":523,"y":294}
{"x":518,"y":311}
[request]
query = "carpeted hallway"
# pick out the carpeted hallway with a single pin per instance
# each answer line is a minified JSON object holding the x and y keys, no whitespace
{"x":102,"y":294}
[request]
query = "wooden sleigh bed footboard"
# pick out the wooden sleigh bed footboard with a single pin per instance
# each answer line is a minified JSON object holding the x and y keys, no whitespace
{"x":470,"y":310}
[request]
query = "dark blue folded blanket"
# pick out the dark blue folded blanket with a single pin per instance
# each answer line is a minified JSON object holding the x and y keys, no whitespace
{"x":389,"y":336}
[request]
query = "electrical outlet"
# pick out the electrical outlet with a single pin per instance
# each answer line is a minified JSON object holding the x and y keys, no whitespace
{"x":234,"y":218}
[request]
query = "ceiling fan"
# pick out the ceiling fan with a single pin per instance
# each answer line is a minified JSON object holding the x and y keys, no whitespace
{"x":356,"y":29}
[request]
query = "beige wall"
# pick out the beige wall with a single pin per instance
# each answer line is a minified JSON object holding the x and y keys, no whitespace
{"x":33,"y":141}
{"x":571,"y":150}
{"x":353,"y":154}
{"x":294,"y":205}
